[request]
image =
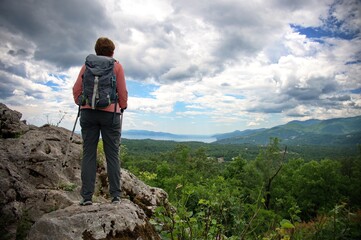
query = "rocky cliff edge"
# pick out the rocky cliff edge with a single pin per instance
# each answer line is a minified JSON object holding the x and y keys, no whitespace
{"x":40,"y":183}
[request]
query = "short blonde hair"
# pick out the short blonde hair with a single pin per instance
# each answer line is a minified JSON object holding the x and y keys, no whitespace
{"x":104,"y":47}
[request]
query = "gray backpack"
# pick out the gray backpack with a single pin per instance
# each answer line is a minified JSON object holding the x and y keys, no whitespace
{"x":99,"y":82}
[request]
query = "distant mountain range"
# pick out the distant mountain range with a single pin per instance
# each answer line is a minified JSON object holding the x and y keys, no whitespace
{"x":337,"y":131}
{"x":144,"y":134}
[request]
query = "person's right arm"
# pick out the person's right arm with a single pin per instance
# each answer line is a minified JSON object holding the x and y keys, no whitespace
{"x":77,"y":88}
{"x":121,"y":86}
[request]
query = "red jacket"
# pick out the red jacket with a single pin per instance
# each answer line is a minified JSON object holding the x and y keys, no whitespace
{"x":121,"y":89}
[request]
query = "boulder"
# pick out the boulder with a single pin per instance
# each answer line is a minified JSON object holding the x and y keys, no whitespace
{"x":33,"y":180}
{"x":99,"y":221}
{"x":10,"y":124}
{"x":148,"y":198}
{"x":40,"y":178}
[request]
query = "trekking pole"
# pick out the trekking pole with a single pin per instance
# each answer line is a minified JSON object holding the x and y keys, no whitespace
{"x":76,"y":120}
{"x":121,"y":123}
{"x":64,"y":163}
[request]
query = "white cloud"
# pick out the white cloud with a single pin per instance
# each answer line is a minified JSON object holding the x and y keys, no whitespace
{"x":234,"y":62}
{"x":150,"y":10}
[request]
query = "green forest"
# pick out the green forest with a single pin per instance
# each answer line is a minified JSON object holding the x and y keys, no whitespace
{"x":250,"y":192}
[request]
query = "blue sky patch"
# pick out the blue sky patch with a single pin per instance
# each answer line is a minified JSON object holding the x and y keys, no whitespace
{"x":59,"y":76}
{"x":320,"y":32}
{"x":180,"y":107}
{"x":331,"y":28}
{"x":54,"y":86}
{"x":236,"y":96}
{"x":51,"y":84}
{"x":138,"y":89}
{"x":356,"y":91}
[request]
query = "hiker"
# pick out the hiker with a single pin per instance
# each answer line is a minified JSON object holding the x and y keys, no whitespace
{"x":101,"y":93}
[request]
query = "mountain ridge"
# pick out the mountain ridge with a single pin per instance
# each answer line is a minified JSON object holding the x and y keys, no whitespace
{"x":335,"y":131}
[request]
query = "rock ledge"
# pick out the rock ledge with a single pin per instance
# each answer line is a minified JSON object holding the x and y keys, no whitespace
{"x":98,"y":221}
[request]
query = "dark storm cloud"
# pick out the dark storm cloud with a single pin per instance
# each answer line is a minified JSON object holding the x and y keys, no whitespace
{"x":293,"y":5}
{"x":245,"y":26}
{"x":6,"y":87}
{"x":19,"y":52}
{"x":319,"y":92}
{"x":18,"y":69}
{"x":160,"y":56}
{"x":298,"y":114}
{"x":342,"y":98}
{"x":181,"y":73}
{"x":304,"y":94}
{"x":61,"y":30}
{"x":272,"y":107}
{"x":232,"y":46}
{"x":309,"y":91}
{"x":9,"y":83}
{"x":221,"y":13}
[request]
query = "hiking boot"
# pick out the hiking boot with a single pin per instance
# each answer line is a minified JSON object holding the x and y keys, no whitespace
{"x":116,"y":200}
{"x":85,"y":202}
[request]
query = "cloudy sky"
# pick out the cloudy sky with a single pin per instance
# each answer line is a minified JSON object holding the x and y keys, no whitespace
{"x":199,"y":67}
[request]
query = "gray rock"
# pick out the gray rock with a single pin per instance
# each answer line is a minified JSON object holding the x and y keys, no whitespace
{"x":10,"y":124}
{"x":33,"y":176}
{"x":99,"y":221}
{"x":148,"y":198}
{"x":40,"y":175}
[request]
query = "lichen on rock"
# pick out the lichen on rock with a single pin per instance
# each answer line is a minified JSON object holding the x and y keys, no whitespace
{"x":40,"y":183}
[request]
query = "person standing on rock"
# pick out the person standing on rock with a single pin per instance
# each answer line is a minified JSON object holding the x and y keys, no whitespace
{"x":100,"y":91}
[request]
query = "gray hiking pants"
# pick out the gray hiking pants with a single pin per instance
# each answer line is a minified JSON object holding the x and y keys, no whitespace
{"x":94,"y":122}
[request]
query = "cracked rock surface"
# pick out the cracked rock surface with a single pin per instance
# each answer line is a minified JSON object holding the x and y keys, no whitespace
{"x":99,"y":221}
{"x":40,"y":184}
